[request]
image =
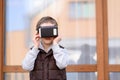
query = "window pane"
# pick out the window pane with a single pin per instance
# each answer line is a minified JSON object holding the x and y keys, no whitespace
{"x":78,"y":36}
{"x":114,"y":33}
{"x":70,"y":76}
{"x":82,"y":9}
{"x":82,"y":76}
{"x":16,"y":76}
{"x":114,"y":75}
{"x":18,"y":33}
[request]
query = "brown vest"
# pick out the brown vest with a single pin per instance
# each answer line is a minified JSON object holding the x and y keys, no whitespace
{"x":45,"y":68}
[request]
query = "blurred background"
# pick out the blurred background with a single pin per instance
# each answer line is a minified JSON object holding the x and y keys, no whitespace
{"x":77,"y":26}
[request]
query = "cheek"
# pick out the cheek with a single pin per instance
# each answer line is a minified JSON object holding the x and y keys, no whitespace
{"x":51,"y":40}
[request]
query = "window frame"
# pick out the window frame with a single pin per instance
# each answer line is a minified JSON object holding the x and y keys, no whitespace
{"x":102,"y":67}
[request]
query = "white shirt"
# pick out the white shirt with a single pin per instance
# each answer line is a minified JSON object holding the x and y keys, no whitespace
{"x":60,"y":55}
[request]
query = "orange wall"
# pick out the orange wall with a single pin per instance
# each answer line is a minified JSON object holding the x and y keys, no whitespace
{"x":114,"y":18}
{"x":16,"y":47}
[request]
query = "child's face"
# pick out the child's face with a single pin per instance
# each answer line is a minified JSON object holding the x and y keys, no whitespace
{"x":47,"y":40}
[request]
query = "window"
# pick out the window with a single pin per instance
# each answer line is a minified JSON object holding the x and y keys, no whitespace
{"x":78,"y":10}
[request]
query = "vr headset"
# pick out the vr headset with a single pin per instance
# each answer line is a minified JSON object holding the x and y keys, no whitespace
{"x":48,"y":31}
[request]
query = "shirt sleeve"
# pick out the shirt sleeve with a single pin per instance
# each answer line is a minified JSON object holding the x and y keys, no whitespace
{"x":61,"y":56}
{"x":29,"y":60}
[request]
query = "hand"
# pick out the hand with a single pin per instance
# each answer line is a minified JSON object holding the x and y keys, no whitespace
{"x":56,"y":40}
{"x":36,"y":40}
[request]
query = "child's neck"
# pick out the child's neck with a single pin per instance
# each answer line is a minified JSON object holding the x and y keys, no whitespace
{"x":46,"y":46}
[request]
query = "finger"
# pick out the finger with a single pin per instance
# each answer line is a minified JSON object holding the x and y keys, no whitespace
{"x":36,"y":33}
{"x":37,"y":39}
{"x":59,"y":38}
{"x":37,"y":36}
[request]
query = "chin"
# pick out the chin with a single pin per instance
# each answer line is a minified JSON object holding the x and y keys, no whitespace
{"x":48,"y":42}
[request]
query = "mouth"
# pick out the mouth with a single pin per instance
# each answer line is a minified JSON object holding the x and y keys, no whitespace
{"x":48,"y":38}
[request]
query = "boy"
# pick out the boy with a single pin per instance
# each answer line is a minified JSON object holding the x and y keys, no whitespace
{"x":46,"y":60}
